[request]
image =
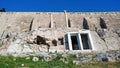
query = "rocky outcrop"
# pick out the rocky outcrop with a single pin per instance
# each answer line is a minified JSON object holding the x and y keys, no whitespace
{"x":33,"y":33}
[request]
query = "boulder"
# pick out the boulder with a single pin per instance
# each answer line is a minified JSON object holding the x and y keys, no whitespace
{"x":35,"y":59}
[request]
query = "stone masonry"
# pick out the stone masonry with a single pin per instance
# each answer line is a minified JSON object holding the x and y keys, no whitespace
{"x":35,"y":32}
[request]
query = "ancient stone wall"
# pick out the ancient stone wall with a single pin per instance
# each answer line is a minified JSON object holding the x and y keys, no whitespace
{"x":43,"y":20}
{"x":55,"y":25}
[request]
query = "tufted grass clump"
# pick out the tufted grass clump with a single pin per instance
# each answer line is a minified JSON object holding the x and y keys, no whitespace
{"x":26,"y":62}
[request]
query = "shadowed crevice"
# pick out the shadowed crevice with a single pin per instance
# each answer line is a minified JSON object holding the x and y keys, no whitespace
{"x":31,"y":23}
{"x":102,"y":24}
{"x":85,"y":24}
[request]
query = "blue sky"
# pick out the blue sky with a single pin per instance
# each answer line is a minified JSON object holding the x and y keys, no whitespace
{"x":60,"y":5}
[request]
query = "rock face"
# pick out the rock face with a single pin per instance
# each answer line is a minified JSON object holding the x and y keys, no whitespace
{"x":33,"y":33}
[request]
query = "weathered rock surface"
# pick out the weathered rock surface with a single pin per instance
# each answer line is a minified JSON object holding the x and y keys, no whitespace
{"x":32,"y":33}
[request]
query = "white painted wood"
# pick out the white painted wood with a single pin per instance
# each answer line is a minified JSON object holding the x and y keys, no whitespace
{"x":80,"y":41}
{"x":91,"y":41}
{"x":69,"y":42}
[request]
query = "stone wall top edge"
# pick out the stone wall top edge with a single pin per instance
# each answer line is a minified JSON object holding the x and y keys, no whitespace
{"x":67,"y":12}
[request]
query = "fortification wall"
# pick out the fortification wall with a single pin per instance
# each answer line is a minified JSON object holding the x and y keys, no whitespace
{"x":55,"y":25}
{"x":43,"y":20}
